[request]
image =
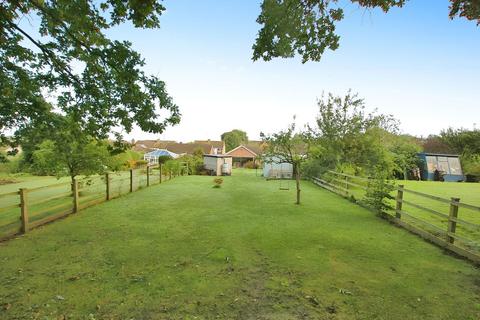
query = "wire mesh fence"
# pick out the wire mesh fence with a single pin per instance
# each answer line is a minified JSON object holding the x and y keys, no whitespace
{"x":25,"y":209}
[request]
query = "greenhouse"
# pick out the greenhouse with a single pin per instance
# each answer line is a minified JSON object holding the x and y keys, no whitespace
{"x":153,"y":156}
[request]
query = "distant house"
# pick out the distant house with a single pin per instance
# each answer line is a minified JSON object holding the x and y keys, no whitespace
{"x":218,"y":146}
{"x":153,"y":156}
{"x":241,"y":155}
{"x":251,"y":151}
{"x":445,"y":165}
{"x":189,"y":148}
{"x":206,"y":146}
{"x":149,"y":145}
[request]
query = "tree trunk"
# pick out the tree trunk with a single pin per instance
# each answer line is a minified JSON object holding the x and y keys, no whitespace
{"x":72,"y":178}
{"x":297,"y":178}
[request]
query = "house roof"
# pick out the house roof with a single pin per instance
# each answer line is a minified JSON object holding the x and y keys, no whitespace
{"x":247,"y":152}
{"x":213,"y":143}
{"x":256,"y":146}
{"x":217,"y":155}
{"x":439,"y":154}
{"x":188,"y":148}
{"x":148,"y":145}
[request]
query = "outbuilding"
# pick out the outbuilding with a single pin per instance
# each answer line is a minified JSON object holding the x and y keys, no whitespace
{"x":273,"y":168}
{"x":441,"y":167}
{"x":218,"y":164}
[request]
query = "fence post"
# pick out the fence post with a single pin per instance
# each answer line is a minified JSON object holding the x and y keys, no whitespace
{"x":24,"y":209}
{"x":148,"y":175}
{"x":170,"y":174}
{"x":75,"y":196}
{"x":188,"y":172}
{"x":107,"y":184}
{"x":131,"y":180}
{"x":161,"y":171}
{"x":399,"y":199}
{"x":346,"y":184}
{"x":452,"y":219}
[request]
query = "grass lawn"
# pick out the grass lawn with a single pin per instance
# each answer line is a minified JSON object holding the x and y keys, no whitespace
{"x":184,"y":250}
{"x":41,"y":188}
{"x":467,"y":192}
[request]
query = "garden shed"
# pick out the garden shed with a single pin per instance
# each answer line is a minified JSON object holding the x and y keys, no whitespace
{"x":273,"y":168}
{"x":444,"y":167}
{"x":218,"y":164}
{"x":153,"y":156}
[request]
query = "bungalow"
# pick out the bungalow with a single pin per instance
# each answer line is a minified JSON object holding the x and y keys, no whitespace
{"x":241,"y":155}
{"x":251,"y":151}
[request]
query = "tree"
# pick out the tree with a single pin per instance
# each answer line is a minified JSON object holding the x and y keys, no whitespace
{"x":307,"y":27}
{"x":467,"y":144}
{"x":66,"y":56}
{"x":404,"y":149}
{"x":287,"y":146}
{"x":435,"y":144}
{"x":234,"y":138}
{"x":353,"y":141}
{"x":462,"y":141}
{"x":71,"y":159}
{"x":350,"y":138}
{"x":70,"y":151}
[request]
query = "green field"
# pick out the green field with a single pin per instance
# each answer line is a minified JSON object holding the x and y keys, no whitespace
{"x":50,"y":192}
{"x":468,"y":193}
{"x":185,"y":250}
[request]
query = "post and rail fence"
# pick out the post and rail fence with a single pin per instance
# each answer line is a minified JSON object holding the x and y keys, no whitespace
{"x":28,"y":208}
{"x":456,"y":229}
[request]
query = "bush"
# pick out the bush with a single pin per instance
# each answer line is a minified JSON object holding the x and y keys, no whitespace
{"x":193,"y":162}
{"x":251,"y":165}
{"x":140,"y":163}
{"x":12,"y":165}
{"x":471,"y":165}
{"x":125,"y":160}
{"x":379,"y":191}
{"x":218,"y":182}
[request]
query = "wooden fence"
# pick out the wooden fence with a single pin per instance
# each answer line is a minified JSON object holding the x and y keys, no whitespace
{"x":26,"y":209}
{"x":449,"y":223}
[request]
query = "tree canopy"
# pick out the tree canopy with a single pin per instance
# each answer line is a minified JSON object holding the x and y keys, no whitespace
{"x":234,"y":138}
{"x":61,"y":61}
{"x":348,"y":137}
{"x":308,"y":27}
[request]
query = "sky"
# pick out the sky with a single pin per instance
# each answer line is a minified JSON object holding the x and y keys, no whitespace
{"x":413,"y":63}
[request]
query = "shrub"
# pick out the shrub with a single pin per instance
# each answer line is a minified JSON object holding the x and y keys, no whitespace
{"x":217,"y":182}
{"x":251,"y":165}
{"x":12,"y":165}
{"x":140,"y":163}
{"x":379,"y":191}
